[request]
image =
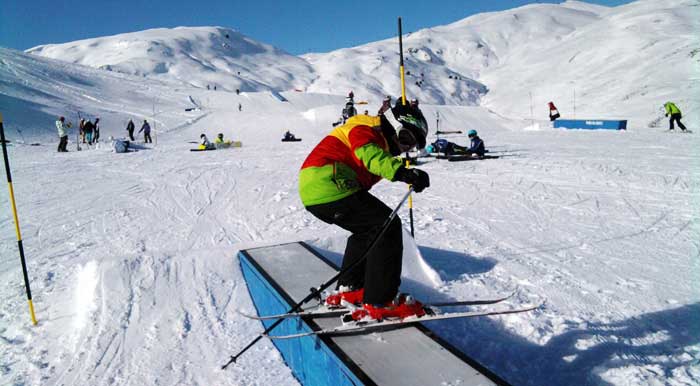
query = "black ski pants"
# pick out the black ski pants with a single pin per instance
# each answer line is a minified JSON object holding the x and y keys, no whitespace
{"x":147,"y":137}
{"x":676,"y":117}
{"x":363,"y":215}
{"x":63,"y":143}
{"x":131,"y":135}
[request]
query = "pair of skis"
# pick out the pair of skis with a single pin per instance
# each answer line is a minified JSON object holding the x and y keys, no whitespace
{"x":433,"y":312}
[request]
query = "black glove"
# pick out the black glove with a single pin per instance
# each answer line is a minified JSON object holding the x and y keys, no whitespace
{"x":416,"y":177}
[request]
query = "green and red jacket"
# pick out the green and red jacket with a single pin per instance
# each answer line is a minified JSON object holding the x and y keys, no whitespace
{"x":351,"y":158}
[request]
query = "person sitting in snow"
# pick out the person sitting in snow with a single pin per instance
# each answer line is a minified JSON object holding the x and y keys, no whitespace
{"x":220,"y":143}
{"x":334,"y":184}
{"x":476,"y":146}
{"x":204,"y":143}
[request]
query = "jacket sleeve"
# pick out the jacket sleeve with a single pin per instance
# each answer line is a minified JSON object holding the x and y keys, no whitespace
{"x":368,"y":145}
{"x":378,"y":161}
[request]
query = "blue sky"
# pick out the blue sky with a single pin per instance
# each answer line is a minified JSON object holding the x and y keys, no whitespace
{"x":296,"y":26}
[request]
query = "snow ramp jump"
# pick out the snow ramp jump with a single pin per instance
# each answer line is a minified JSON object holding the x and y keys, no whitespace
{"x":279,"y":276}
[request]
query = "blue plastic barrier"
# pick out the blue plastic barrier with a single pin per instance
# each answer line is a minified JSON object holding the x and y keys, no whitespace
{"x":590,"y":124}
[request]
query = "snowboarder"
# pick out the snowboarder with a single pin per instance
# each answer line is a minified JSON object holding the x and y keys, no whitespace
{"x":288,"y":136}
{"x":219,"y":140}
{"x":96,"y":136}
{"x":553,"y":112}
{"x":334,"y":184}
{"x":675,"y":113}
{"x":146,"y":128}
{"x":88,"y":129}
{"x":130,"y":129}
{"x":62,"y":128}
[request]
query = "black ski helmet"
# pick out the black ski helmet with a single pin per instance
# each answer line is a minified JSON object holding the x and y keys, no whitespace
{"x":405,"y":124}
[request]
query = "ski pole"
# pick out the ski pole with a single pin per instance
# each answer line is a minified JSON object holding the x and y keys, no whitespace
{"x":14,"y":213}
{"x":315,"y":292}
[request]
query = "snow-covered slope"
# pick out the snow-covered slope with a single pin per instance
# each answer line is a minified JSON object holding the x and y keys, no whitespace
{"x":132,"y":256}
{"x":592,"y":61}
{"x":199,"y":56}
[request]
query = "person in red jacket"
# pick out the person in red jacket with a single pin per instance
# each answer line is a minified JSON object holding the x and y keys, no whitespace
{"x":553,"y":112}
{"x":334,"y":184}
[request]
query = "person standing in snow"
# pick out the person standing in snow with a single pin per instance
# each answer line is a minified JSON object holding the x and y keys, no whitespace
{"x":334,"y":184}
{"x":386,"y":105}
{"x":96,"y":137}
{"x":349,"y":110}
{"x":675,"y":113}
{"x":146,"y":128}
{"x":81,"y":127}
{"x":130,"y":127}
{"x":88,"y":128}
{"x":62,"y":128}
{"x":553,"y":112}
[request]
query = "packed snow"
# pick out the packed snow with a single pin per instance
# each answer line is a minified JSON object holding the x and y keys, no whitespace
{"x":132,"y":257}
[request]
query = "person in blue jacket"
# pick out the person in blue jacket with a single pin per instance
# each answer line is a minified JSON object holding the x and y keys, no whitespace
{"x":476,"y":145}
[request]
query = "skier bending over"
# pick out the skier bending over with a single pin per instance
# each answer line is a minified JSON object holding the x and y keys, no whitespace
{"x":675,"y":113}
{"x":334,"y":184}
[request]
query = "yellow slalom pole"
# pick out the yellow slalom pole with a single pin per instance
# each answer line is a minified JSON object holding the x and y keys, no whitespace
{"x":403,"y":102}
{"x":14,"y":213}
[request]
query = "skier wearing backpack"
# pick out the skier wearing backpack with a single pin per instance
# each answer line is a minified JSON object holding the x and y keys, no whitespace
{"x":334,"y":184}
{"x":675,"y":113}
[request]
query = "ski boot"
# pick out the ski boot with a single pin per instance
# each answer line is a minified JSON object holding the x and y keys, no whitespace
{"x":344,"y":294}
{"x":403,"y":306}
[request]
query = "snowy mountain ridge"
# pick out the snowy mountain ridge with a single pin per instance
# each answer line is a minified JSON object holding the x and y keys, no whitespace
{"x":199,"y":56}
{"x":593,"y":61}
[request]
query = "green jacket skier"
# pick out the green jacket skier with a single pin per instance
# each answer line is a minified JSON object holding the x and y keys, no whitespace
{"x":675,"y":115}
